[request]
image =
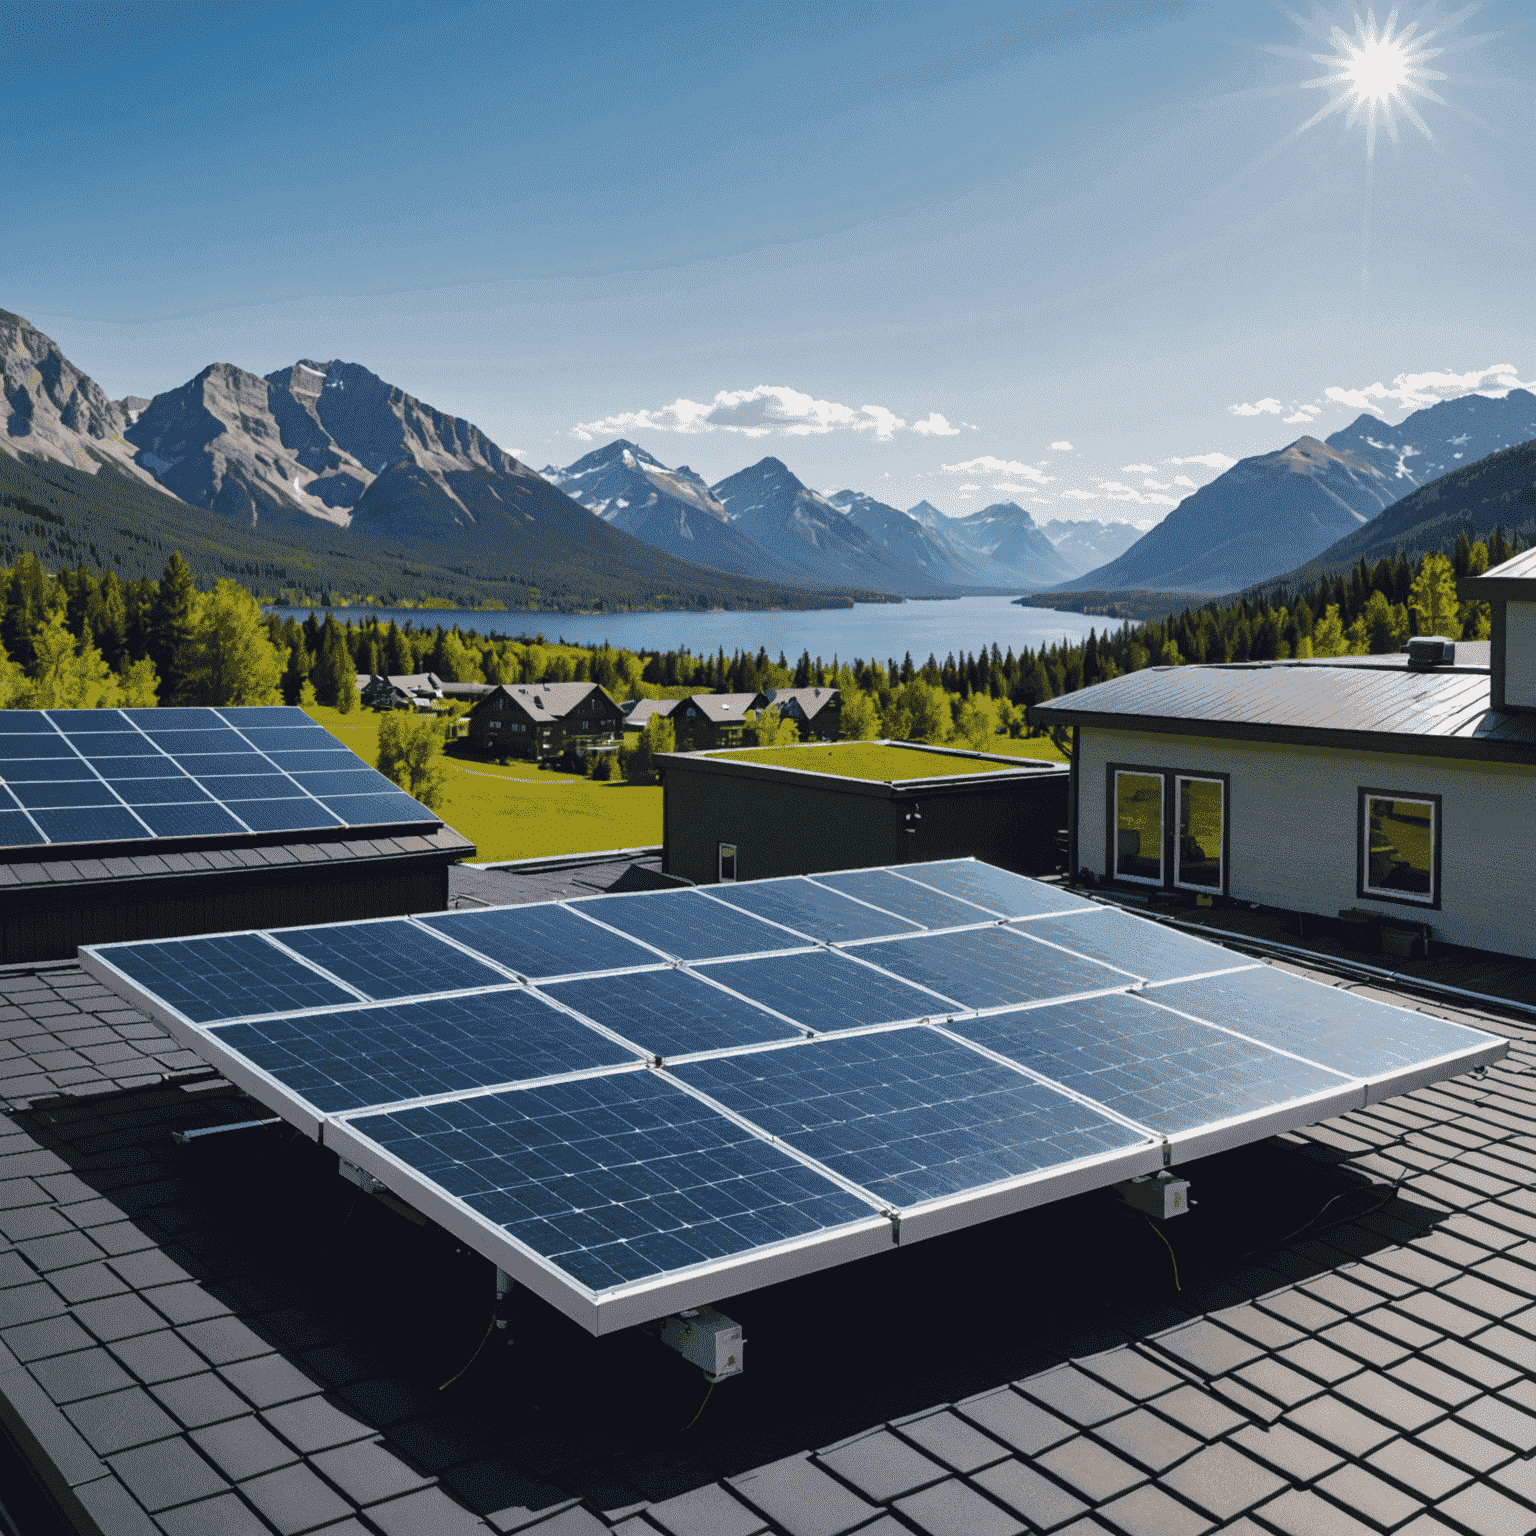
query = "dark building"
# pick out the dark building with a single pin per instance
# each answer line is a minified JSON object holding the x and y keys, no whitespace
{"x":537,"y":720}
{"x":128,"y":824}
{"x":726,"y":818}
{"x":818,"y":712}
{"x":705,"y":721}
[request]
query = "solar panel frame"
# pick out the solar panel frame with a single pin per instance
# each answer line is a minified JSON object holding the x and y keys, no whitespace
{"x":789,"y":892}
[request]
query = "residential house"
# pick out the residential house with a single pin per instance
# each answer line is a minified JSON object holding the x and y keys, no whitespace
{"x":1393,"y":791}
{"x":637,"y":712}
{"x":705,"y":721}
{"x":818,"y":712}
{"x":539,"y":720}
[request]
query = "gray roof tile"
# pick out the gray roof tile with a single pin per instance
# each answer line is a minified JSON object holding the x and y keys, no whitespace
{"x":1093,"y":1472}
{"x":952,"y":1509}
{"x":880,"y":1466}
{"x":166,"y":1473}
{"x":957,"y":1444}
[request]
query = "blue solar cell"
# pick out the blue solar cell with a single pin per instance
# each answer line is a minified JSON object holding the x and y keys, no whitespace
{"x":997,"y":890}
{"x":225,"y":976}
{"x":179,"y":791}
{"x":154,"y":766}
{"x":687,"y":924}
{"x":24,"y":722}
{"x":221,"y":763}
{"x":315,"y":739}
{"x":991,"y":967}
{"x":392,"y":958}
{"x":541,"y":939}
{"x":203,"y":820}
{"x":8,"y":801}
{"x":1163,"y":1071}
{"x":267,"y":716}
{"x":217,"y":742}
{"x":1325,"y":1024}
{"x":72,"y":792}
{"x":614,"y":1179}
{"x":250,"y":786}
{"x":906,"y":1114}
{"x":72,"y":721}
{"x":1133,"y":944}
{"x":177,"y":719}
{"x":382,"y":1055}
{"x":282,"y":815}
{"x":333,"y":761}
{"x":378,"y":810}
{"x":112,"y":744}
{"x":33,"y":745}
{"x":826,"y":990}
{"x":98,"y":824}
{"x":810,"y":909}
{"x":47,"y":770}
{"x":671,"y":1012}
{"x":357,"y":780}
{"x":925,"y":907}
{"x":16,"y":831}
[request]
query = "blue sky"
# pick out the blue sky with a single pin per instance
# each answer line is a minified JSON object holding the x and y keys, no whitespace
{"x":726,"y":231}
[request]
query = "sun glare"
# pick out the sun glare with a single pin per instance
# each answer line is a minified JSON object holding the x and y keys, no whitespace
{"x":1373,"y":71}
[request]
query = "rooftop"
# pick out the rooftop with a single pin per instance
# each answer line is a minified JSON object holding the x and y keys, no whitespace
{"x":880,"y":761}
{"x":222,"y":1335}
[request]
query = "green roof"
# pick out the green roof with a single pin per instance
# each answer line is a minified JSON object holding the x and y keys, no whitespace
{"x":868,"y":760}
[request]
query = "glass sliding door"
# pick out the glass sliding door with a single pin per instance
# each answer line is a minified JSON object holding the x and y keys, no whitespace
{"x":1139,"y":823}
{"x":1197,"y":851}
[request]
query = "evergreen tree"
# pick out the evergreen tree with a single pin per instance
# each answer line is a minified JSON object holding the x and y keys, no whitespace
{"x":1432,"y":598}
{"x":171,"y":623}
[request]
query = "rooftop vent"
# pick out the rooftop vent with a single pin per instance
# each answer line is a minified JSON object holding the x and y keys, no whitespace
{"x":1426,"y":652}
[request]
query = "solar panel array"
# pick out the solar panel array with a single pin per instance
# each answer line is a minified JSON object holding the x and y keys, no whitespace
{"x":120,"y":775}
{"x":640,"y":1102}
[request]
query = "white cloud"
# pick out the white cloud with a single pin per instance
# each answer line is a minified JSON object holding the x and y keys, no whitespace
{"x":987,"y":465}
{"x":968,"y":490}
{"x":1136,"y":469}
{"x":758,"y":412}
{"x":1007,"y":488}
{"x":1149,"y":484}
{"x":1185,"y":480}
{"x":934,"y":425}
{"x":1412,"y":391}
{"x":1061,"y":447}
{"x":1266,"y":407}
{"x":1114,"y":491}
{"x":1304,"y":415}
{"x":1080,"y":495}
{"x":1209,"y":460}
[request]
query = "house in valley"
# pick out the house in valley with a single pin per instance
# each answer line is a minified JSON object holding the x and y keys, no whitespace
{"x":818,"y":712}
{"x":705,"y":721}
{"x":539,"y":720}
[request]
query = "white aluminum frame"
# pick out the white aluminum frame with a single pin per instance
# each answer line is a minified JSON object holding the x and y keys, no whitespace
{"x":1179,"y":781}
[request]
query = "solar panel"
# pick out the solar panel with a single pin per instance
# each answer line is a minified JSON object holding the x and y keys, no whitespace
{"x":827,"y":990}
{"x":811,"y":909}
{"x":996,"y":890}
{"x":908,"y":1114}
{"x":991,"y":967}
{"x":81,"y":766}
{"x":351,"y":1058}
{"x":671,"y":1012}
{"x":542,"y":939}
{"x":687,"y":925}
{"x":615,"y":1179}
{"x":631,"y":1134}
{"x":919,"y":904}
{"x":390,"y":957}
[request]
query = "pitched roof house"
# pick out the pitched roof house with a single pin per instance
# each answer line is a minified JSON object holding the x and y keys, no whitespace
{"x":544,"y":719}
{"x":1394,"y":791}
{"x":708,"y":720}
{"x":817,"y":711}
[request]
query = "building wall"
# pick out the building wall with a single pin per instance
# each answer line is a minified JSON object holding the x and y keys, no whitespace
{"x":790,"y":827}
{"x":1294,"y":831}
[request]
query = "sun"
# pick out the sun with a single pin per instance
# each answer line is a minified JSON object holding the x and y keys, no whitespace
{"x":1372,"y":74}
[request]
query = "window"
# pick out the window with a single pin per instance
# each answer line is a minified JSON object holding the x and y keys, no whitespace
{"x":727,"y":861}
{"x":1168,"y":828}
{"x":1399,"y":847}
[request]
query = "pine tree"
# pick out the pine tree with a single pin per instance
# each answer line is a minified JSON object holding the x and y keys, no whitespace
{"x":172,"y":620}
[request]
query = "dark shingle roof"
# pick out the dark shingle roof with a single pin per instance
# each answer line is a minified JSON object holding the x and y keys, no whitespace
{"x":225,"y":1336}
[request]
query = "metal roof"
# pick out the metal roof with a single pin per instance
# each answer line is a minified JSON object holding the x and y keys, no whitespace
{"x":1351,"y":706}
{"x":723,"y":708}
{"x":809,"y":700}
{"x":547,"y":701}
{"x":1515,"y":578}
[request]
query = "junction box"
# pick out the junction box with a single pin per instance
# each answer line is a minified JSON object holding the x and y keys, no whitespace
{"x":1159,"y":1196}
{"x":705,"y":1338}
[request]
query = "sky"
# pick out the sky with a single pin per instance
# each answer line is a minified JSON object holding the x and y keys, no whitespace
{"x":1071,"y":254}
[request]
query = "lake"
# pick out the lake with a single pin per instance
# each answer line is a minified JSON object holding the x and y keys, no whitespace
{"x":873,"y":631}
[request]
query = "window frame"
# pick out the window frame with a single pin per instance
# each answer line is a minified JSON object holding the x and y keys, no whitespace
{"x":720,"y":856}
{"x":1168,"y":860}
{"x":1365,"y":892}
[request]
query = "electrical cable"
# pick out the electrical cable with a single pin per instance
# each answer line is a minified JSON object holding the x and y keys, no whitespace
{"x":489,"y":1330}
{"x":1171,"y":1254}
{"x":702,"y":1406}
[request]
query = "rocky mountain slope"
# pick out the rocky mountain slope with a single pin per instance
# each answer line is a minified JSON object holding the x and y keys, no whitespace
{"x":1086,"y":543}
{"x":670,"y":509}
{"x":1265,"y":515}
{"x":1443,"y":437}
{"x":904,"y":538}
{"x":1002,"y":539}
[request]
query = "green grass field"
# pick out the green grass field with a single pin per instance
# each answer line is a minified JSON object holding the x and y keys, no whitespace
{"x":522,"y":812}
{"x":876,"y":760}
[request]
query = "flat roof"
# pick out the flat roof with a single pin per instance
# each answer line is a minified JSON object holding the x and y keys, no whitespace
{"x":184,"y":1337}
{"x":880,"y":761}
{"x":1383,"y":707}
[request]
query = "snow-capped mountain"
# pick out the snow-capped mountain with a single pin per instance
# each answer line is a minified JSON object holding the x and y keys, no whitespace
{"x":1003,"y":541}
{"x":670,"y":509}
{"x":1085,"y":543}
{"x":1442,"y":437}
{"x":902,"y":536}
